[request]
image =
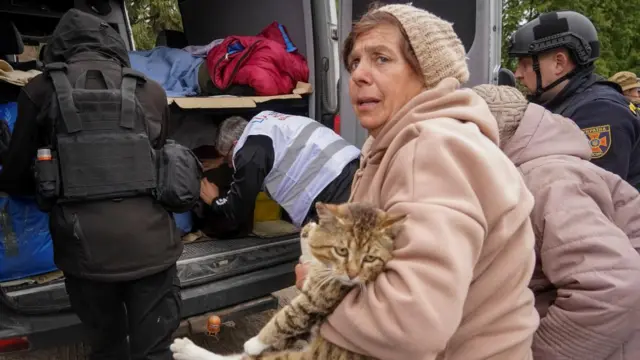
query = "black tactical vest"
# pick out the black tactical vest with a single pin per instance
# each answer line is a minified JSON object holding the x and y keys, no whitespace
{"x":100,"y":140}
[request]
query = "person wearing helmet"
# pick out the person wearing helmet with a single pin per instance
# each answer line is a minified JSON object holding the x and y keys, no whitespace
{"x":556,"y":54}
{"x":630,"y":85}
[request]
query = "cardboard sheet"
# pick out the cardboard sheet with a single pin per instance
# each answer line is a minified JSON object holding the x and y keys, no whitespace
{"x":16,"y":77}
{"x":232,"y":102}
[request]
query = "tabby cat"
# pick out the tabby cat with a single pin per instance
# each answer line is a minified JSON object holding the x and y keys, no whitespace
{"x":350,"y":246}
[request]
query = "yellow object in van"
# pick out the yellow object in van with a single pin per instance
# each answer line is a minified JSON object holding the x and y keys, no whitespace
{"x":266,"y":209}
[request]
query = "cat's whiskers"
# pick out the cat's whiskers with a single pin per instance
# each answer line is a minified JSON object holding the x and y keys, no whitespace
{"x":325,"y":278}
{"x":363,"y":288}
{"x":323,"y":270}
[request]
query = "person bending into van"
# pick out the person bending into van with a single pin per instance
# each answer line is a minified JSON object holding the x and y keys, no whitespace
{"x":118,"y":251}
{"x":297,"y":160}
{"x":586,"y":220}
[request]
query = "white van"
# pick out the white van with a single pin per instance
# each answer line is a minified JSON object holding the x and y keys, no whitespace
{"x":229,"y":278}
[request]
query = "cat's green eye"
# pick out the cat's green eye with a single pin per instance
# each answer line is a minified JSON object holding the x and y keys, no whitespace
{"x":342,"y":251}
{"x":369,"y":258}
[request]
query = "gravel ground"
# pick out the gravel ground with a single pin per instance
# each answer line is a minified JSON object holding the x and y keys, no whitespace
{"x":230,"y":340}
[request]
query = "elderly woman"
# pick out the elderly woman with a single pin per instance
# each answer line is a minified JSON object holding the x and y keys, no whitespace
{"x":457,"y":286}
{"x":587,"y":223}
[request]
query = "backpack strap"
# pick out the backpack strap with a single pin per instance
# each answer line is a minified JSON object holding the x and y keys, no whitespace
{"x":64,"y":93}
{"x":130,"y":80}
{"x":81,"y":82}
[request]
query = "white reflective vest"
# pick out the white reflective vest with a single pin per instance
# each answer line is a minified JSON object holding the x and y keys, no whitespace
{"x":307,"y":157}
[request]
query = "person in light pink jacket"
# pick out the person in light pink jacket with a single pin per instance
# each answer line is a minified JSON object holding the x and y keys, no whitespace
{"x":457,"y":286}
{"x":587,"y":226}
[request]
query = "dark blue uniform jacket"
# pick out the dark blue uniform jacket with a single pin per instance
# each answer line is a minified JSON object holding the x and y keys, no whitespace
{"x":609,"y":121}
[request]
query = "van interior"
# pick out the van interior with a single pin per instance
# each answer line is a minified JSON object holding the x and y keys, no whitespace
{"x":206,"y":257}
{"x":316,"y":29}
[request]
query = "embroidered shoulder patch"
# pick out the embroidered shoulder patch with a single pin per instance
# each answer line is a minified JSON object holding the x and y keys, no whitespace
{"x":599,"y":139}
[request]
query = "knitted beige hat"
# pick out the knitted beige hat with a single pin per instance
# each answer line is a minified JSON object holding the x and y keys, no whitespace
{"x":437,"y":47}
{"x":507,"y":104}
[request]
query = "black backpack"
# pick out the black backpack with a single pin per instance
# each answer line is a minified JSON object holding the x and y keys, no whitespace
{"x":100,"y":148}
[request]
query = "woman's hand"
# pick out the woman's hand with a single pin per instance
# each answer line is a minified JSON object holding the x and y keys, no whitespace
{"x":301,"y":274}
{"x":208,"y":191}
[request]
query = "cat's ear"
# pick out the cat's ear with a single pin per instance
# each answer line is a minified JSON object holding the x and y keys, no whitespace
{"x":392,"y":222}
{"x":331,"y":212}
{"x":326,"y":211}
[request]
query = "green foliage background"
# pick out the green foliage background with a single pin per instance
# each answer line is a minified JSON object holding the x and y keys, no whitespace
{"x":617,"y":21}
{"x":148,"y":17}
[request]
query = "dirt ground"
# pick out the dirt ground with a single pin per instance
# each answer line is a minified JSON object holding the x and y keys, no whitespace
{"x":230,"y":340}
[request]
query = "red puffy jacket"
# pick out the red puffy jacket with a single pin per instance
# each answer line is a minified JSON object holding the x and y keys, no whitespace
{"x":261,"y":62}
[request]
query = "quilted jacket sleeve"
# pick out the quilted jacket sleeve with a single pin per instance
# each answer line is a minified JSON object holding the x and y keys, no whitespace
{"x":592,"y":264}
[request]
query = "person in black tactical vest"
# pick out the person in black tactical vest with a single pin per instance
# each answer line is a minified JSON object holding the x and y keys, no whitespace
{"x":96,"y":128}
{"x":556,"y":54}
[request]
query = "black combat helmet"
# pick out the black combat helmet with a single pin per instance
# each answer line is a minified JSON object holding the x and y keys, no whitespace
{"x":562,"y":29}
{"x":553,"y":30}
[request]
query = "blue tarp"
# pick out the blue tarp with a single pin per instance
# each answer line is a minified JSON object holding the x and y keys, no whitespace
{"x":25,"y":242}
{"x":175,"y":69}
{"x":9,"y":113}
{"x":26,"y":248}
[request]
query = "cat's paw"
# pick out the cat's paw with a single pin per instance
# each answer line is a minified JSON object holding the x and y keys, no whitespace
{"x":180,"y":345}
{"x":185,"y":349}
{"x":254,"y":346}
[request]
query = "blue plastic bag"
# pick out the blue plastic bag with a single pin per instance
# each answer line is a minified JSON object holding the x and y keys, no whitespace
{"x":9,"y":113}
{"x":25,"y":242}
{"x":25,"y":247}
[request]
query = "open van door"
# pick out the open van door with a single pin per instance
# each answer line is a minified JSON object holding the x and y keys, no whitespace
{"x":327,"y":55}
{"x":227,"y":278}
{"x":477,"y":23}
